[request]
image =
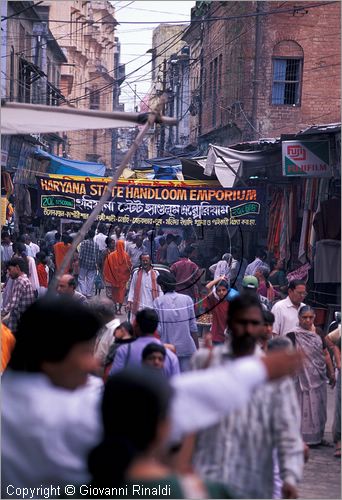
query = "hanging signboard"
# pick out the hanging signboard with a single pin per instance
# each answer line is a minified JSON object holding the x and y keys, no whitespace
{"x":306,"y":159}
{"x":146,"y":204}
{"x":135,"y":182}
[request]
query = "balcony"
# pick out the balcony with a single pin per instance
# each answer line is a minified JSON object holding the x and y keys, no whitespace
{"x":96,"y":67}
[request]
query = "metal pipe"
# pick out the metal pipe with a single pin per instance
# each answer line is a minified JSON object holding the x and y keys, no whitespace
{"x":259,"y":9}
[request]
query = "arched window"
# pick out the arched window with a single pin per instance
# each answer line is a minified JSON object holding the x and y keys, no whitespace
{"x":287,"y":73}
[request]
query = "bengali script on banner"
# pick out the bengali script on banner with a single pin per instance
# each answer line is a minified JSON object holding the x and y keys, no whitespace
{"x":146,"y":204}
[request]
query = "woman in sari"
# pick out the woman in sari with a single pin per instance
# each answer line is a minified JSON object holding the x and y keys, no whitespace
{"x":310,"y":382}
{"x":277,"y":277}
{"x":266,"y":288}
{"x":116,"y":271}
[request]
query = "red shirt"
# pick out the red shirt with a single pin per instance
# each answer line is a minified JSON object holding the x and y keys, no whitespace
{"x":42,"y":275}
{"x":219,"y":310}
{"x":186,"y":274}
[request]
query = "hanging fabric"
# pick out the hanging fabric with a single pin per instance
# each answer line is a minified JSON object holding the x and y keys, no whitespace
{"x":284,"y":242}
{"x":273,"y":237}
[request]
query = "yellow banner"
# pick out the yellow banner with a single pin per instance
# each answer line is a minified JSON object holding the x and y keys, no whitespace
{"x":136,"y":182}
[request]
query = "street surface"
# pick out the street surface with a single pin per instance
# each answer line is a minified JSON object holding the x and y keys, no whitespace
{"x":322,"y":474}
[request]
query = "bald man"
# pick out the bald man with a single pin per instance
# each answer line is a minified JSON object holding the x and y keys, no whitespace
{"x":67,"y":286}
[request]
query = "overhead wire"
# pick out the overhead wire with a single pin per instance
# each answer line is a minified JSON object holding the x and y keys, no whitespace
{"x":133,"y":60}
{"x":5,"y":18}
{"x":134,"y":71}
{"x":124,"y":7}
{"x":157,"y":67}
{"x":177,"y":35}
{"x":45,"y":44}
{"x":293,"y":9}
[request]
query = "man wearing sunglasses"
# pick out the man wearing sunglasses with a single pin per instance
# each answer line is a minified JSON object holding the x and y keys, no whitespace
{"x":286,"y":311}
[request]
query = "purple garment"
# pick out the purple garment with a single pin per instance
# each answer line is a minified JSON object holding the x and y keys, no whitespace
{"x":131,"y":355}
{"x":177,"y":320}
{"x":253,"y":266}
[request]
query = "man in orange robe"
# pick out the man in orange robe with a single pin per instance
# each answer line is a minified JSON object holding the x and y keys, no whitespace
{"x":117,"y":271}
{"x":60,"y":249}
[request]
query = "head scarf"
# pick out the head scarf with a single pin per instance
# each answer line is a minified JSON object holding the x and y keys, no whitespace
{"x":120,"y":256}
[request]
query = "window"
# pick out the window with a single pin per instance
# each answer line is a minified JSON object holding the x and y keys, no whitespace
{"x":288,"y":57}
{"x":94,"y":99}
{"x":24,"y":81}
{"x":286,"y":81}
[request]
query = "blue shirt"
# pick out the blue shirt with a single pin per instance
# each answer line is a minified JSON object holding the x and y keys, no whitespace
{"x":177,"y":321}
{"x":131,"y":355}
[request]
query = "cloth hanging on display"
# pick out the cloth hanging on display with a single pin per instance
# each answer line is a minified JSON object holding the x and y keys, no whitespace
{"x":327,"y":261}
{"x":327,"y":220}
{"x":301,"y":273}
{"x":7,"y":187}
{"x":310,"y":202}
{"x":293,"y":211}
{"x":274,"y":228}
{"x":278,"y":240}
{"x":303,"y":237}
{"x":3,"y":211}
{"x":284,"y":243}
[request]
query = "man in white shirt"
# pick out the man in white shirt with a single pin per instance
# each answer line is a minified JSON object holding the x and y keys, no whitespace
{"x":144,"y":288}
{"x":135,"y":251}
{"x":50,"y":417}
{"x":32,"y":248}
{"x":286,"y":311}
{"x":6,"y":248}
{"x":100,"y":237}
{"x":104,"y":309}
{"x":260,"y":257}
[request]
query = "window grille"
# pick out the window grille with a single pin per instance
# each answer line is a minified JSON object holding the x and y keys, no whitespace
{"x":286,"y":81}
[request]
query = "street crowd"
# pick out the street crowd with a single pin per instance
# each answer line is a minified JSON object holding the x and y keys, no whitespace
{"x":112,"y":385}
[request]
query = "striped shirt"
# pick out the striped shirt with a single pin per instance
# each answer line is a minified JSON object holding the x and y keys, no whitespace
{"x":239,"y":450}
{"x":22,"y":297}
{"x":89,"y":255}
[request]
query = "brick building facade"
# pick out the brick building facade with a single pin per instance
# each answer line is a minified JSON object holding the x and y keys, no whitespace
{"x":264,"y":75}
{"x":88,"y":80}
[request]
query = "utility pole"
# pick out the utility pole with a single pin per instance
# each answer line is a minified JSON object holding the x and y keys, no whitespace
{"x":162,"y":127}
{"x":201,"y":82}
{"x":135,"y":99}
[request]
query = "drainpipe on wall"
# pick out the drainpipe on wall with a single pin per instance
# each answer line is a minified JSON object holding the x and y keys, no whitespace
{"x":201,"y":93}
{"x":257,"y":54}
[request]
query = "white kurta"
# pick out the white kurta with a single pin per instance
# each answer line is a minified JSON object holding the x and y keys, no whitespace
{"x":47,"y":431}
{"x":146,"y":298}
{"x":105,"y":339}
{"x":33,"y":273}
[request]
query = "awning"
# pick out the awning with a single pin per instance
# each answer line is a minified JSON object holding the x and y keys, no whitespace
{"x":227,"y":163}
{"x":20,"y":118}
{"x":63,"y":166}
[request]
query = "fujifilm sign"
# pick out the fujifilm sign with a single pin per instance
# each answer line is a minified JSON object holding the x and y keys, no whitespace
{"x":306,"y":158}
